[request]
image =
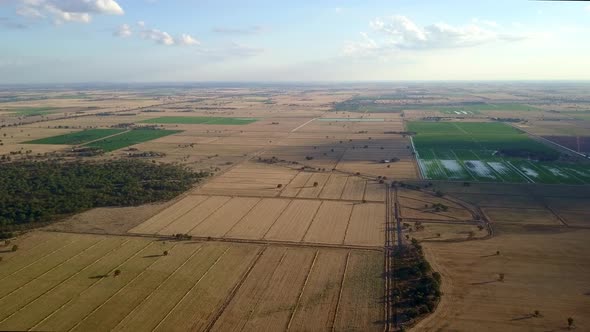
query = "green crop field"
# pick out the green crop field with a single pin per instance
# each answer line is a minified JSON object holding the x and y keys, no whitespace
{"x":489,"y":152}
{"x":130,"y":138}
{"x":33,"y":110}
{"x":76,"y":138}
{"x":200,"y":120}
{"x":467,"y":109}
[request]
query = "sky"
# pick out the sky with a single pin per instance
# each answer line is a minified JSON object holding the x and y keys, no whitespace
{"x":71,"y":41}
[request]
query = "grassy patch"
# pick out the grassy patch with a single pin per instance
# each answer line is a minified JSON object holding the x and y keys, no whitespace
{"x":200,"y":120}
{"x":29,"y":111}
{"x":130,"y":138}
{"x":78,"y":137}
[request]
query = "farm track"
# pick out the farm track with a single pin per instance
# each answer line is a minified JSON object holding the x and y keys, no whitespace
{"x":233,"y":240}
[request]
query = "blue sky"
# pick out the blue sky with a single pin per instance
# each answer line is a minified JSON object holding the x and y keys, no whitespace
{"x":44,"y":41}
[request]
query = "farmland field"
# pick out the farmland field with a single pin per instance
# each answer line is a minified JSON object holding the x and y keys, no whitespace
{"x":489,"y":152}
{"x":200,"y":120}
{"x":130,"y":138}
{"x":79,"y":137}
{"x":28,"y":111}
{"x":59,"y":282}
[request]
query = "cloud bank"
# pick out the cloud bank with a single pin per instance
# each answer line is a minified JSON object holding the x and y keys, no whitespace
{"x":61,"y":11}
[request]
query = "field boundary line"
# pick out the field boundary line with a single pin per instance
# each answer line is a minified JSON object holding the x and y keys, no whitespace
{"x":336,"y":310}
{"x":311,"y":222}
{"x":344,"y":186}
{"x":102,"y":138}
{"x":543,"y":172}
{"x":347,"y":224}
{"x":173,"y":220}
{"x":520,"y":172}
{"x":234,"y":291}
{"x":462,"y":163}
{"x":117,"y":292}
{"x":255,"y":306}
{"x":242,"y":217}
{"x":38,"y":259}
{"x":303,"y":125}
{"x":286,"y":185}
{"x":210,"y":214}
{"x":488,"y":166}
{"x":160,"y":285}
{"x":315,"y":257}
{"x":92,"y":285}
{"x":278,"y":217}
{"x":364,"y":190}
{"x":191,"y":289}
{"x":51,"y":269}
{"x":324,"y":186}
{"x":61,"y":282}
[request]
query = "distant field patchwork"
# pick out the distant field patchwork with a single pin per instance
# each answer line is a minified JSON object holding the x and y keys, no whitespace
{"x":78,"y":137}
{"x":200,"y":120}
{"x":489,"y":152}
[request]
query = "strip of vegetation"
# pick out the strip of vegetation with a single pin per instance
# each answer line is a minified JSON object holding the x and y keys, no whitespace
{"x":417,"y":287}
{"x":34,"y":193}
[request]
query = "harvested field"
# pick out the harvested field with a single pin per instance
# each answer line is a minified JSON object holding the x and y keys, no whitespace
{"x":257,"y":222}
{"x":522,"y":216}
{"x":166,"y":217}
{"x":366,"y":225}
{"x":375,"y":191}
{"x":295,"y":186}
{"x":359,"y":309}
{"x":187,"y":222}
{"x":354,"y":189}
{"x":220,"y":222}
{"x":294,"y":222}
{"x":277,"y":219}
{"x":313,"y":186}
{"x":533,"y":264}
{"x":195,"y":286}
{"x":334,"y":186}
{"x":330,"y":223}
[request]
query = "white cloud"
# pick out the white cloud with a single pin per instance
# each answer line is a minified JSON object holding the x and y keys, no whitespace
{"x":68,"y":10}
{"x":186,"y":39}
{"x":123,"y":31}
{"x":400,"y":33}
{"x":160,"y":37}
{"x":156,"y":35}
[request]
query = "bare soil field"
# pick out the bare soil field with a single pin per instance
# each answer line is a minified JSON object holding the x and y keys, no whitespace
{"x":58,"y":281}
{"x":534,"y":263}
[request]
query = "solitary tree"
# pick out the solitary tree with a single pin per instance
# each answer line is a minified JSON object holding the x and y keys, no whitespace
{"x":497,"y":252}
{"x":280,"y":185}
{"x":117,"y":272}
{"x":537,"y":313}
{"x":14,"y":248}
{"x":501,"y":277}
{"x":165,"y":252}
{"x":570,"y":322}
{"x":315,"y":184}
